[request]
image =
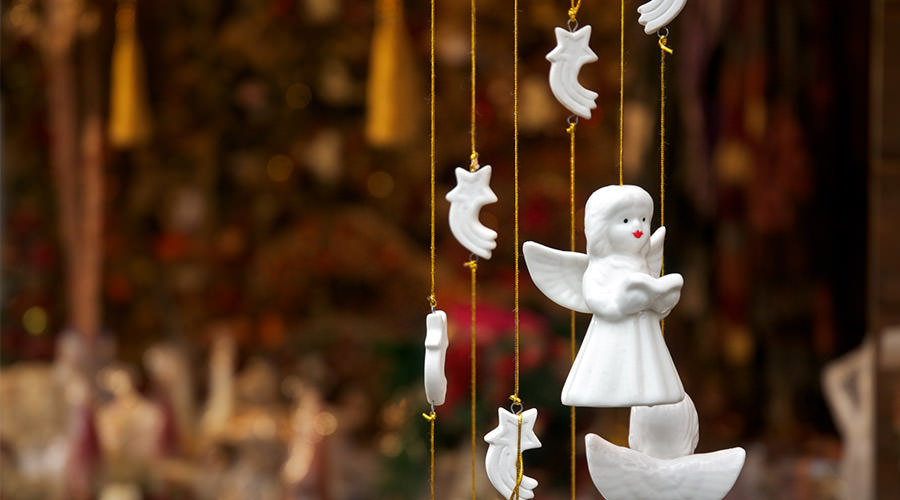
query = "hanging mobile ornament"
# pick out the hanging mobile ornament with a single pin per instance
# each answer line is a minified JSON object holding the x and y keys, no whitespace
{"x":472,"y":191}
{"x":623,"y":360}
{"x":473,"y":186}
{"x":505,"y":470}
{"x":656,"y":14}
{"x":436,"y":340}
{"x":513,"y":435}
{"x":571,"y":53}
{"x":660,"y":464}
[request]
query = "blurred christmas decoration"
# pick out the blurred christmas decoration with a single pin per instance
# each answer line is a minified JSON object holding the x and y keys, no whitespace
{"x":394,"y":93}
{"x":129,"y":108}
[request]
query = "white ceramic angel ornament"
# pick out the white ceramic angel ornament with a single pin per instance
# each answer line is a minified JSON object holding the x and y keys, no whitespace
{"x":623,"y":360}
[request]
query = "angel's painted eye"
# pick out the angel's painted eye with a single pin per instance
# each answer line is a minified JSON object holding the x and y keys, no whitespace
{"x":644,"y":219}
{"x":625,"y":221}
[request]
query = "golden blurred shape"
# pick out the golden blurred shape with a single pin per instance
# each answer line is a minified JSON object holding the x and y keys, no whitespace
{"x":35,"y":320}
{"x":129,"y":109}
{"x":393,"y":95}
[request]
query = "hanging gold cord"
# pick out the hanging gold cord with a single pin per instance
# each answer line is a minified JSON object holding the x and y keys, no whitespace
{"x":573,"y":11}
{"x":432,"y":416}
{"x":515,"y":396}
{"x":473,"y":267}
{"x":621,"y":90}
{"x":663,"y":49}
{"x":473,"y":166}
{"x":520,"y":466}
{"x":571,"y":132}
{"x":473,"y":264}
{"x":432,"y":299}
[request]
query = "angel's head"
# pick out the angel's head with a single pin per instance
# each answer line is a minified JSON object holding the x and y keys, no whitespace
{"x":617,"y":221}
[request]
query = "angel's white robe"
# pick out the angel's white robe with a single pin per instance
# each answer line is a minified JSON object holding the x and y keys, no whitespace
{"x":623,"y":360}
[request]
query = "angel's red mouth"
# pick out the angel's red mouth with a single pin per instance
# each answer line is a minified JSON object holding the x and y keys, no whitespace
{"x":638,"y":233}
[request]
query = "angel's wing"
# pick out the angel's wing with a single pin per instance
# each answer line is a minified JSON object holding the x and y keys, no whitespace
{"x":557,"y":274}
{"x":624,"y":474}
{"x":654,"y":258}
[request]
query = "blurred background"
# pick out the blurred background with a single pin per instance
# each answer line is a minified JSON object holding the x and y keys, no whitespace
{"x":215,"y":241}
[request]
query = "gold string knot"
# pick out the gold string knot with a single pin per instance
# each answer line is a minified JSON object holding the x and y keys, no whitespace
{"x":571,"y":128}
{"x":431,"y":417}
{"x":432,"y":301}
{"x":574,"y":10}
{"x":472,"y":264}
{"x":663,"y":46}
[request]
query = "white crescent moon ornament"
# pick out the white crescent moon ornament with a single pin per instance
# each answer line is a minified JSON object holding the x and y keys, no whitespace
{"x":571,"y":53}
{"x":436,"y":342}
{"x":657,"y":14}
{"x":660,"y":464}
{"x":472,"y":191}
{"x":500,"y":462}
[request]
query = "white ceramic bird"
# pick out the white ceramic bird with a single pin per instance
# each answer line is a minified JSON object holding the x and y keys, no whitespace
{"x":657,"y":14}
{"x":571,"y":53}
{"x":436,"y":343}
{"x":501,"y":459}
{"x":660,"y":465}
{"x":472,"y":191}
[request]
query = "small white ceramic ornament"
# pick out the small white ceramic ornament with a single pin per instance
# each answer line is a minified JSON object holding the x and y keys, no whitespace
{"x":436,"y":342}
{"x":501,"y":459}
{"x":571,"y":53}
{"x":623,"y":360}
{"x":472,"y":191}
{"x":660,"y":465}
{"x":849,"y":384}
{"x":657,"y":14}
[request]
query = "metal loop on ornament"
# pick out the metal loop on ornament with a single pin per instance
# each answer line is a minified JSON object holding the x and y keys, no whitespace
{"x":572,"y":24}
{"x":663,"y":32}
{"x":516,"y":407}
{"x":572,"y":120}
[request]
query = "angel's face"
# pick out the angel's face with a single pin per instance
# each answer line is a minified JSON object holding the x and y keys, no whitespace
{"x":629,"y":229}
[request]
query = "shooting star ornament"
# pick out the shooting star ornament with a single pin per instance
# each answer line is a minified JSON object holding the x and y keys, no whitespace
{"x":436,"y":342}
{"x":660,"y":464}
{"x":472,"y":191}
{"x":571,"y":53}
{"x":657,"y":14}
{"x":502,"y":461}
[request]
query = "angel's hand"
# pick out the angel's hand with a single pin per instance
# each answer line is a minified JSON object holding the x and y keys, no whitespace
{"x":670,"y":293}
{"x":642,"y":292}
{"x":637,"y":294}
